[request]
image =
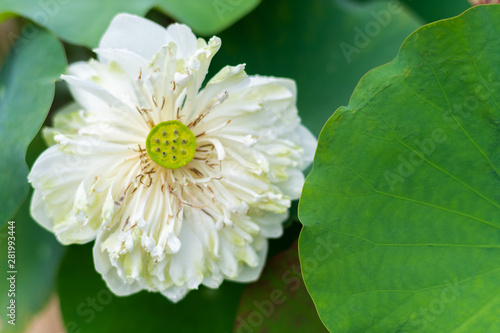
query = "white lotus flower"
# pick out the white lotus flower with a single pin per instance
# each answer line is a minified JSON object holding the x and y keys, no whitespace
{"x":178,"y":186}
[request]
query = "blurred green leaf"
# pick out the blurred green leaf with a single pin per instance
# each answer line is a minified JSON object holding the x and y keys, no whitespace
{"x":432,"y":10}
{"x":75,"y":21}
{"x":37,"y":259}
{"x":207,"y":17}
{"x":323,"y":45}
{"x":84,"y":22}
{"x":279,"y":301}
{"x":89,"y":306}
{"x":38,"y":255}
{"x":405,"y":189}
{"x":26,"y":93}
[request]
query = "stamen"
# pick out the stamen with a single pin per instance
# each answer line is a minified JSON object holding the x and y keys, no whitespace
{"x":146,"y":117}
{"x":162,"y":103}
{"x":219,"y":99}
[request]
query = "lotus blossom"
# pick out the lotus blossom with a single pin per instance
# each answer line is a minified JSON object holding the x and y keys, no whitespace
{"x":178,"y":185}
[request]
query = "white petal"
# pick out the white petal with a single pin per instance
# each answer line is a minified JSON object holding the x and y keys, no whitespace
{"x":84,"y":98}
{"x":114,"y":281}
{"x":309,"y":143}
{"x":182,"y":35}
{"x":292,"y":187}
{"x":271,"y":224}
{"x":175,"y":293}
{"x":56,"y":178}
{"x":136,"y":34}
{"x":91,"y":96}
{"x":257,"y":106}
{"x":187,"y":267}
{"x":228,"y":79}
{"x":67,"y":120}
{"x":129,"y":61}
{"x":40,"y":212}
{"x":81,"y":69}
{"x":88,"y":145}
{"x":251,"y":274}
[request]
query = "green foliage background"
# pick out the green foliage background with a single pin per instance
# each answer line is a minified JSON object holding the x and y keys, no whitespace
{"x":372,"y":262}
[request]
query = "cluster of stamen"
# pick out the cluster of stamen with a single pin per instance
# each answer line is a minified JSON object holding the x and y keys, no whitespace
{"x":172,"y":145}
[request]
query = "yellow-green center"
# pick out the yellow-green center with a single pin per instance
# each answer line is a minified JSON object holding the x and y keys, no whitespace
{"x":171,"y":144}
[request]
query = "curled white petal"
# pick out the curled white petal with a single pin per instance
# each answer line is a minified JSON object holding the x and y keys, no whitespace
{"x":128,"y":32}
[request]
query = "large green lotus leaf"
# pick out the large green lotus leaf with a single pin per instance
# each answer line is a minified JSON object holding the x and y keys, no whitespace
{"x":84,"y":22}
{"x":279,"y":301}
{"x":76,"y":21}
{"x":406,"y":189}
{"x":88,"y":305}
{"x":207,"y":17}
{"x":26,"y":93}
{"x":325,"y":45}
